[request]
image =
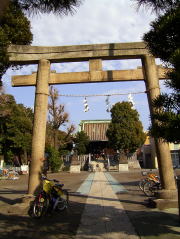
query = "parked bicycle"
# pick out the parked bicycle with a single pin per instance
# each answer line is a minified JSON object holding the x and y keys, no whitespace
{"x":52,"y":197}
{"x":150,"y":185}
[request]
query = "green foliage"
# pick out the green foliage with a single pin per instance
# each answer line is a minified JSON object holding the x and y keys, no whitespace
{"x":159,"y":5}
{"x":163,"y":38}
{"x":82,"y":141}
{"x":167,"y":126}
{"x":167,"y":118}
{"x":15,"y":126}
{"x":125,"y":132}
{"x":163,"y":41}
{"x":65,"y":148}
{"x":45,"y":6}
{"x":54,"y":159}
{"x":9,"y":158}
{"x":15,"y":29}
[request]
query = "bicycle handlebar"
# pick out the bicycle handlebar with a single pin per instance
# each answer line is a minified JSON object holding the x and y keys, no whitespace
{"x":43,"y":177}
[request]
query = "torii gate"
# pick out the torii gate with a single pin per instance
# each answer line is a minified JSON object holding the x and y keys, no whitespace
{"x":44,"y":56}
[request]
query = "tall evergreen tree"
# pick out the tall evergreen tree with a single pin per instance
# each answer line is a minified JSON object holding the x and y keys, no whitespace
{"x":163,"y":41}
{"x":125,"y":132}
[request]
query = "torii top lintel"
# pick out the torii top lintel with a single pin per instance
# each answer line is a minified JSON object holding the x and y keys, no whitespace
{"x":22,"y":54}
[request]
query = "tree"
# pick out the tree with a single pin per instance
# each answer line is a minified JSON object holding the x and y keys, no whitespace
{"x":15,"y":128}
{"x":125,"y":132}
{"x":15,"y":29}
{"x":159,"y":5}
{"x":54,"y":159}
{"x":81,"y":142}
{"x":43,"y":6}
{"x":57,"y":118}
{"x":163,"y":42}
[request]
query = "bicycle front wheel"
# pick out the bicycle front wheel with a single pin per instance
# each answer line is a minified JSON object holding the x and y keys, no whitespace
{"x":141,"y":184}
{"x":148,"y":188}
{"x":40,"y":206}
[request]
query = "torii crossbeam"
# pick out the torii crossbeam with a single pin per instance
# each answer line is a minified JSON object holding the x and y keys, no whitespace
{"x":88,"y":77}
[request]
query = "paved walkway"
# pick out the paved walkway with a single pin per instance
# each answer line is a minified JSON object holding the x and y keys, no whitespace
{"x":104,"y":216}
{"x":111,"y":197}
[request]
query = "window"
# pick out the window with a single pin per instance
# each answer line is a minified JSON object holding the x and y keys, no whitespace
{"x":175,"y":156}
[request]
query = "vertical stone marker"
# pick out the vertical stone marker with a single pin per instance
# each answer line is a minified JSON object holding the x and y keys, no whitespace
{"x":39,"y":129}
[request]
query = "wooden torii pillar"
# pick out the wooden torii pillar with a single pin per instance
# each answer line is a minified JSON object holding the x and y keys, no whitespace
{"x":94,"y":54}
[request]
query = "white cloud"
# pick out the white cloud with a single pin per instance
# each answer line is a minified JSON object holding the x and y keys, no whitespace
{"x":94,"y":22}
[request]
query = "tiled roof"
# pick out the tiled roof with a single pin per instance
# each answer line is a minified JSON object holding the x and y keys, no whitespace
{"x":95,"y":129}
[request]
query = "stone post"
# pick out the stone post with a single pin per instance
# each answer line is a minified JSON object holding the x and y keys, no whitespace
{"x":95,"y":69}
{"x":39,"y":127}
{"x":162,"y":148}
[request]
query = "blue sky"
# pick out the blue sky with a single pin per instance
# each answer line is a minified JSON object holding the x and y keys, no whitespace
{"x":95,"y":21}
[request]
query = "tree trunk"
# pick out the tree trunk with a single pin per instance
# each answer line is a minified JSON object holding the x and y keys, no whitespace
{"x":55,"y":139}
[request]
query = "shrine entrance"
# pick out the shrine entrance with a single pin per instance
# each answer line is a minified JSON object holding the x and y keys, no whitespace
{"x":95,"y":54}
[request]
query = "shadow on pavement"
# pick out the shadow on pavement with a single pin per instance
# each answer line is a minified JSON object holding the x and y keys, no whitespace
{"x":148,"y":224}
{"x":56,"y":225}
{"x":10,"y":201}
{"x":155,"y":224}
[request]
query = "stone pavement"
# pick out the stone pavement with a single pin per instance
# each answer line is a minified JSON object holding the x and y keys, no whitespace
{"x":104,"y":216}
{"x":102,"y":205}
{"x":113,"y":211}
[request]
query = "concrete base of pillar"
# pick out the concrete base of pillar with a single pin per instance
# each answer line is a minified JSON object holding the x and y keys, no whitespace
{"x":123,"y":167}
{"x":167,"y":194}
{"x":162,"y":204}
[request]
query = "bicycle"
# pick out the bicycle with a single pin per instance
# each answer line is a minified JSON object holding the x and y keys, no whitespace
{"x":150,"y":184}
{"x":151,"y":187}
{"x":52,"y":197}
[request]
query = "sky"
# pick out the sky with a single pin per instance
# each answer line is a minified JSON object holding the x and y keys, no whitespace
{"x":94,"y":22}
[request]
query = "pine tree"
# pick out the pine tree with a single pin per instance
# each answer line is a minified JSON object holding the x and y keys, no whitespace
{"x":163,"y":41}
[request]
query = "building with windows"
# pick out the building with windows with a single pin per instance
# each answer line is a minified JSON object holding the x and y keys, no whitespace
{"x":148,"y":157}
{"x":175,"y":154}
